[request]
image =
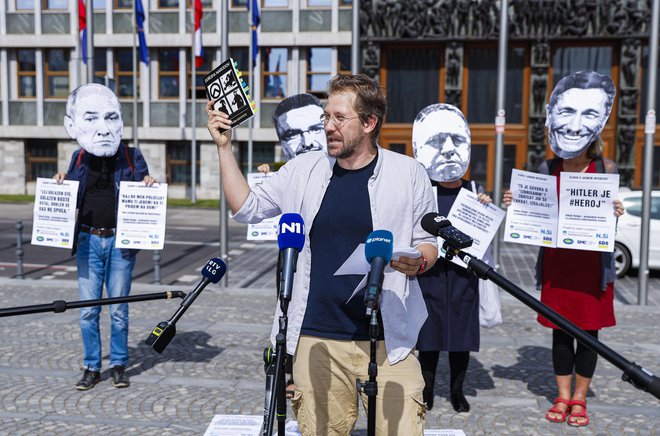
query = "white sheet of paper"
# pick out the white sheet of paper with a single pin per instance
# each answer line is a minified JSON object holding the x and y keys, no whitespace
{"x":267,"y":229}
{"x":532,"y":217}
{"x":290,"y":429}
{"x":443,"y":432}
{"x":235,"y":425}
{"x":479,"y":221}
{"x":586,"y":214}
{"x":141,"y":216}
{"x":54,"y":215}
{"x":357,"y":264}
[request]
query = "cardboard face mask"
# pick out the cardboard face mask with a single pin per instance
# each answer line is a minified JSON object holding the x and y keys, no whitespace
{"x":94,"y":120}
{"x":578,"y":109}
{"x":441,"y":142}
{"x":298,"y":125}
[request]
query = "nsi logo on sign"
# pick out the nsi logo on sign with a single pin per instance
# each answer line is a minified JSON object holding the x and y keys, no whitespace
{"x":291,"y":227}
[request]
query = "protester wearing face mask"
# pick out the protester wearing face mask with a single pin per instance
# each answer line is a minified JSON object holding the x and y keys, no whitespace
{"x":93,"y":119}
{"x":577,"y":284}
{"x":441,"y":143}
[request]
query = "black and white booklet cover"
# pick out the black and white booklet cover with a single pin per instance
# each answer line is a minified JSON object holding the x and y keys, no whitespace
{"x":231,"y":94}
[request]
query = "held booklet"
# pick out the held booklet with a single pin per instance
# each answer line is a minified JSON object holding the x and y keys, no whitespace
{"x":225,"y":85}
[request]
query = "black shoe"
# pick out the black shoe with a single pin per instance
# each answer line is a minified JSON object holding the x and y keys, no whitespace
{"x":88,"y":380}
{"x":119,"y":377}
{"x":459,"y":402}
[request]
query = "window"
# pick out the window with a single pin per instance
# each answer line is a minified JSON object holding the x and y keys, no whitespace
{"x":275,"y":3}
{"x":344,"y":60}
{"x":568,"y":60}
{"x":413,"y":81}
{"x":57,"y":73}
{"x":274,"y":72}
{"x":24,"y":4}
{"x":40,"y":158}
{"x":345,"y":3}
{"x":168,"y":73}
{"x":123,"y":4}
{"x":643,"y":93}
{"x":200,"y":72}
{"x":319,"y":3}
{"x":100,"y":65}
{"x":124,"y":72}
{"x":238,"y":4}
{"x":174,"y":4}
{"x":319,"y":70}
{"x":240,"y":55}
{"x":482,"y":85}
{"x":56,"y":4}
{"x":27,"y":73}
{"x":179,"y":155}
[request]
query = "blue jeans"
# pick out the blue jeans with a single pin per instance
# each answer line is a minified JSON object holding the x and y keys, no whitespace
{"x":100,"y":262}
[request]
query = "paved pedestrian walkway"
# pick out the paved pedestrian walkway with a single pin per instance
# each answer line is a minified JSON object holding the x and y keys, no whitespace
{"x":213,"y":366}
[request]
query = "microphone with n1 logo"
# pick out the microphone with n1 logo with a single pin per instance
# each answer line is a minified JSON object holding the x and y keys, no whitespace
{"x":163,"y":333}
{"x":290,"y":239}
{"x":378,"y":251}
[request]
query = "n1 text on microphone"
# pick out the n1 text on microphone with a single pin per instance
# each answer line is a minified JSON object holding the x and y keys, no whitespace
{"x":163,"y":333}
{"x":378,"y":250}
{"x":290,"y":239}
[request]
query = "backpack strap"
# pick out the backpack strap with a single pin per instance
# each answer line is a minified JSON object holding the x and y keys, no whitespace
{"x":129,"y":160}
{"x":600,"y":165}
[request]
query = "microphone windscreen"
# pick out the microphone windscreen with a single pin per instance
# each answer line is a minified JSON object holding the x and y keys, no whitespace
{"x":214,"y":269}
{"x":432,"y":222}
{"x":291,"y":232}
{"x":380,"y":243}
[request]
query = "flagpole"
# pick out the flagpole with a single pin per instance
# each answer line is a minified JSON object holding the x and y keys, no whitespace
{"x":89,"y":6}
{"x":193,"y":83}
{"x":250,"y":83}
{"x":355,"y":39}
{"x":135,"y":114}
{"x":224,"y":54}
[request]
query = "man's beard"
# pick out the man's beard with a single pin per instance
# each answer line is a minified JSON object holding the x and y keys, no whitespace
{"x":346,"y":150}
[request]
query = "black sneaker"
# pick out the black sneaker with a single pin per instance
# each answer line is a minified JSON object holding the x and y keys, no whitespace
{"x":119,"y":377}
{"x":88,"y":380}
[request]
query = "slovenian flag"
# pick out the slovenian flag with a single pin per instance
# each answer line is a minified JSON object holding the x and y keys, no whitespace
{"x":139,"y":24}
{"x":199,"y":47}
{"x":82,"y":26}
{"x":256,"y":20}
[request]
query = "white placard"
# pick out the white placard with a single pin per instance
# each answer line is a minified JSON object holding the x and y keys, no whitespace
{"x":267,"y":229}
{"x":586,"y":214}
{"x":290,"y":429}
{"x":477,"y":220}
{"x":443,"y":432}
{"x":532,"y":216}
{"x":54,"y":216}
{"x":235,"y":425}
{"x":142,"y":211}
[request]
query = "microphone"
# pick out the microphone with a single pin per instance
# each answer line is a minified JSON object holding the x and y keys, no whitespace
{"x":290,"y":239}
{"x":163,"y":333}
{"x":438,"y":225}
{"x":378,"y":251}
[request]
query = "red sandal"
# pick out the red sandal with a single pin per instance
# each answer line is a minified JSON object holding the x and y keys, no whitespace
{"x":555,"y":409}
{"x":574,"y":416}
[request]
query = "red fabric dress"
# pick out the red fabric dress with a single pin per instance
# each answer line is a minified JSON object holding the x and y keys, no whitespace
{"x":571,"y":284}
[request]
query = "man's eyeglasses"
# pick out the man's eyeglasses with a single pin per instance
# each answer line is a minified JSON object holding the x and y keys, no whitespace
{"x":337,"y":120}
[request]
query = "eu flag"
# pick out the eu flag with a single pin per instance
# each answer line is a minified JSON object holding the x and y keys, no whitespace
{"x":253,"y":6}
{"x":139,"y":18}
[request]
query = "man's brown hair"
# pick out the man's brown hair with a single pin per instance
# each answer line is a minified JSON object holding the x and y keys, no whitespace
{"x":370,"y":98}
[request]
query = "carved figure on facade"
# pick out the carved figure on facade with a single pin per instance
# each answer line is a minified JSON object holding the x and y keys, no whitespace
{"x":462,"y":16}
{"x":453,"y":62}
{"x":539,"y":91}
{"x":486,"y":14}
{"x":629,"y":63}
{"x":628,"y":101}
{"x":453,"y":97}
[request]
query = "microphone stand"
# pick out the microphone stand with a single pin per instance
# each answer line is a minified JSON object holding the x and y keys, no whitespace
{"x":59,"y":306}
{"x":274,"y":366}
{"x":370,"y":387}
{"x":639,"y":377}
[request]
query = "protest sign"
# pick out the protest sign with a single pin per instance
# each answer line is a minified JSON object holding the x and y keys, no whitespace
{"x":586,"y":218}
{"x":141,"y":216}
{"x":266,"y":230}
{"x":532,"y":216}
{"x":54,"y":216}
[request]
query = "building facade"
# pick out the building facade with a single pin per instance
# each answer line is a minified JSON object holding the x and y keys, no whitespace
{"x":421,"y":51}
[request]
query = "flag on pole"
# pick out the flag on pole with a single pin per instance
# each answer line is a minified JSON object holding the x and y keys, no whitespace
{"x":139,"y":23}
{"x":199,"y":47}
{"x":253,"y":6}
{"x":82,"y":28}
